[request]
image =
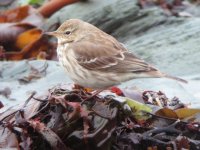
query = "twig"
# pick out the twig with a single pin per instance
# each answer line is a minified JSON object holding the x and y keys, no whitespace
{"x":170,"y":128}
{"x":162,"y":117}
{"x":51,"y":7}
{"x":29,"y":98}
{"x":40,"y":100}
{"x":40,"y":110}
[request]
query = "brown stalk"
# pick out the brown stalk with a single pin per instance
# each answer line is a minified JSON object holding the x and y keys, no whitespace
{"x":52,"y":6}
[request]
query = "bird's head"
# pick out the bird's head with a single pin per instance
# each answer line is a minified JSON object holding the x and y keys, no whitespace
{"x":71,"y":30}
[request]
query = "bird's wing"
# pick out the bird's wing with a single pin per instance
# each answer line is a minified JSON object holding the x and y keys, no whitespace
{"x":107,"y":58}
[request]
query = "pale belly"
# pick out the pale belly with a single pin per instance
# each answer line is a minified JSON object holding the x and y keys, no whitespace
{"x":90,"y":79}
{"x":85,"y":78}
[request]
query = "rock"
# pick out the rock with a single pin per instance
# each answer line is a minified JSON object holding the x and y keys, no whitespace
{"x":12,"y":74}
{"x":107,"y":15}
{"x":193,"y":9}
{"x":172,"y":46}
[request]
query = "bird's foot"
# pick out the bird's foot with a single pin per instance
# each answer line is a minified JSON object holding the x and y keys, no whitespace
{"x":76,"y":86}
{"x":87,"y":90}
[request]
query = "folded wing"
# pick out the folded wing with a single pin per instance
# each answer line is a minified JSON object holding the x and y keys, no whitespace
{"x":108,"y":58}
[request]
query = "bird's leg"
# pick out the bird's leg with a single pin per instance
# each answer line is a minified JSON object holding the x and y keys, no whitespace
{"x":88,"y":90}
{"x":93,"y":95}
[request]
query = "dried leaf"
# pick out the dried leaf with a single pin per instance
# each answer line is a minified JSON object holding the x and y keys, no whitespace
{"x":102,"y":110}
{"x":183,"y":113}
{"x":166,"y":112}
{"x":19,"y":26}
{"x":64,"y":119}
{"x":33,"y":50}
{"x":9,"y":33}
{"x":16,"y":14}
{"x":27,"y":37}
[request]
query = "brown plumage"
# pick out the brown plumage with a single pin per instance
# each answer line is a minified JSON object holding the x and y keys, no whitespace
{"x":97,"y":60}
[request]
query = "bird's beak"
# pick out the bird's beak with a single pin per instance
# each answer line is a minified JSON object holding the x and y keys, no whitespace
{"x":54,"y":33}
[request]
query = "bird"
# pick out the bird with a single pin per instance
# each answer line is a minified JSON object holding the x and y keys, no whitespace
{"x":96,"y":60}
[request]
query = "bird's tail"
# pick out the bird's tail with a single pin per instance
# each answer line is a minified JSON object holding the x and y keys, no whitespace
{"x":175,"y":78}
{"x":159,"y":74}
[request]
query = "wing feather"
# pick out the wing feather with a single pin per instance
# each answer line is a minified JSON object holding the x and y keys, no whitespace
{"x":108,"y":58}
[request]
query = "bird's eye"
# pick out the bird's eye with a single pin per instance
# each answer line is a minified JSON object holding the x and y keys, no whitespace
{"x":67,"y":32}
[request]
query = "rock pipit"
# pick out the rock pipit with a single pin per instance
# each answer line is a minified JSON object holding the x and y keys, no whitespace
{"x":97,"y":60}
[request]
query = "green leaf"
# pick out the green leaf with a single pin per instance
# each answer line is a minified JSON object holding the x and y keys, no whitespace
{"x":31,"y":2}
{"x":138,"y":109}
